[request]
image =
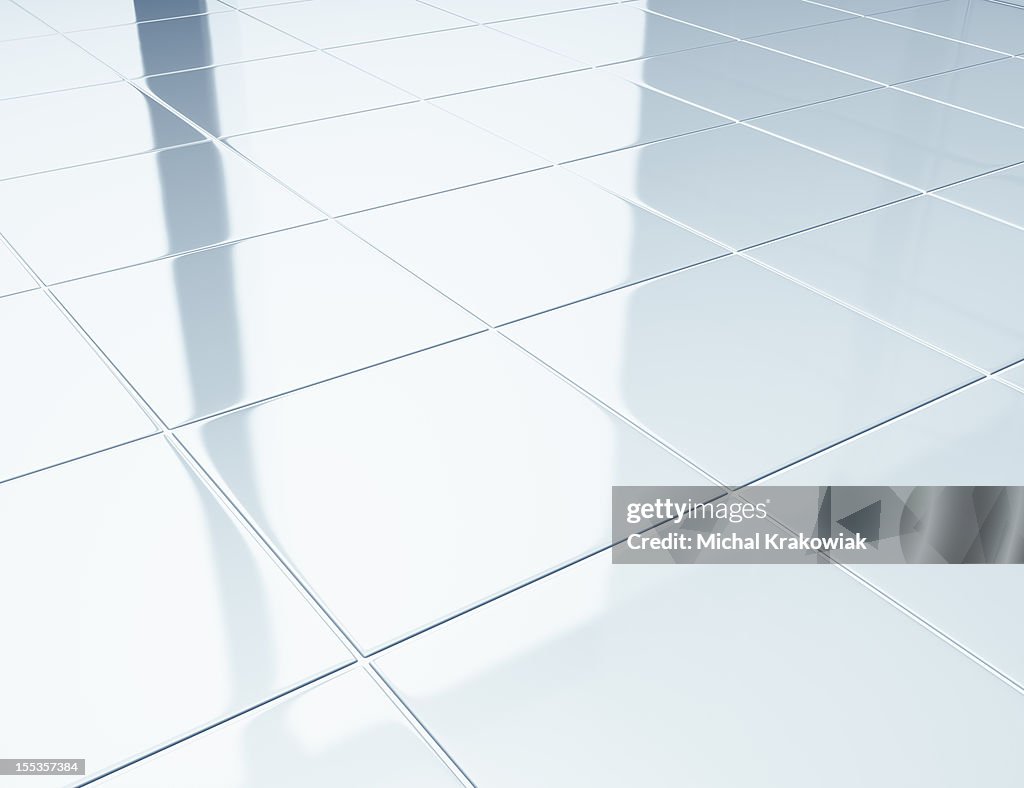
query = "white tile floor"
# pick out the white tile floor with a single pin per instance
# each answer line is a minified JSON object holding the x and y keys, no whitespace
{"x":328,"y":325}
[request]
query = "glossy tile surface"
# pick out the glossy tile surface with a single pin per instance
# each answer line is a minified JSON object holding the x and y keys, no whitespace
{"x":107,"y":121}
{"x":13,"y":278}
{"x":571,"y":240}
{"x":743,"y":187}
{"x":580,"y":114}
{"x":342,"y":730}
{"x":84,"y":220}
{"x":875,"y":50}
{"x":65,"y":16}
{"x":39,"y":65}
{"x":389,"y":155}
{"x":15,"y":22}
{"x":59,"y":401}
{"x":994,"y":25}
{"x":496,"y":10}
{"x":610,"y":33}
{"x":611,"y":674}
{"x":871,"y":6}
{"x":942,"y":273}
{"x":278,"y":91}
{"x":913,"y":140}
{"x":453,"y":61}
{"x":188,"y":42}
{"x":1000,"y":194}
{"x":400,"y":545}
{"x":1015,"y":375}
{"x":991,"y":89}
{"x":170,"y":614}
{"x":741,"y":80}
{"x":216,"y":329}
{"x":743,"y":18}
{"x":324,"y":23}
{"x":807,"y":387}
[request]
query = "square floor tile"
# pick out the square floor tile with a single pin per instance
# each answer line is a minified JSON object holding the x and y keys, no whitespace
{"x":740,"y":186}
{"x":579,"y":114}
{"x":914,"y":140}
{"x":344,"y":729}
{"x":67,"y":16}
{"x":410,"y":537}
{"x":13,"y":278}
{"x":15,"y":22}
{"x":871,"y":6}
{"x":876,"y":50}
{"x":608,"y":675}
{"x":738,"y":369}
{"x":992,"y":89}
{"x":610,"y":33}
{"x":453,"y":61}
{"x":39,"y":65}
{"x":522,"y":245}
{"x":166,"y":614}
{"x":58,"y":400}
{"x":55,"y":130}
{"x":99,"y":217}
{"x":278,"y":91}
{"x":385,"y":156}
{"x":942,"y":273}
{"x":189,"y":42}
{"x":743,"y":18}
{"x":498,"y":10}
{"x":995,"y":25}
{"x":325,"y":23}
{"x":258,"y":3}
{"x":741,"y":80}
{"x":216,"y":329}
{"x":1000,"y":194}
{"x":1015,"y":375}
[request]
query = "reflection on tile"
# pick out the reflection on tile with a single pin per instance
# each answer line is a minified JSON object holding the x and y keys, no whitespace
{"x":607,"y":675}
{"x":164,"y":613}
{"x":579,"y":114}
{"x":497,"y":10}
{"x":39,"y":65}
{"x":610,"y":33}
{"x":942,"y":273}
{"x":872,"y":6}
{"x":743,"y":18}
{"x":737,"y":368}
{"x":1015,"y":374}
{"x":404,"y":541}
{"x":878,"y":51}
{"x":103,"y":216}
{"x":992,"y":89}
{"x":216,"y":329}
{"x":455,"y":60}
{"x":914,"y":140}
{"x":744,"y":187}
{"x":570,"y":240}
{"x":190,"y":42}
{"x":13,"y":278}
{"x":258,"y":3}
{"x":388,"y":155}
{"x":275,"y":92}
{"x":986,"y":24}
{"x":741,"y":80}
{"x":55,"y":130}
{"x":1000,"y":194}
{"x":67,"y":16}
{"x":15,"y":22}
{"x":343,"y":731}
{"x":58,"y":400}
{"x":324,"y":23}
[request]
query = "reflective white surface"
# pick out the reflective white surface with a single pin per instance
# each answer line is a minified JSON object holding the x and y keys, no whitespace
{"x":274,"y":92}
{"x":389,"y":155}
{"x":874,"y":6}
{"x":67,"y":16}
{"x":58,"y":400}
{"x":151,"y":611}
{"x":987,"y":24}
{"x":1015,"y":375}
{"x":1000,"y":194}
{"x":572,"y":240}
{"x":106,"y":121}
{"x":942,"y":273}
{"x":742,"y":187}
{"x":13,"y":278}
{"x":736,"y":368}
{"x":496,"y":10}
{"x":741,"y":80}
{"x":343,"y":731}
{"x":611,"y":675}
{"x":991,"y":89}
{"x":610,"y":33}
{"x":875,"y":50}
{"x":423,"y":498}
{"x":745,"y":18}
{"x":435,"y":64}
{"x":15,"y":22}
{"x":216,"y":329}
{"x":103,"y":216}
{"x":39,"y":65}
{"x":580,"y":114}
